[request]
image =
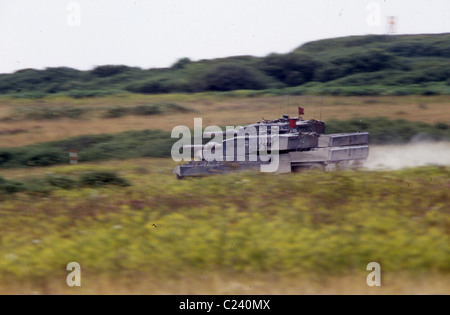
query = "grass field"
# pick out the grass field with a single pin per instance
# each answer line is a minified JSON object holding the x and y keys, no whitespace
{"x":238,"y":233}
{"x":244,"y":233}
{"x":215,"y":110}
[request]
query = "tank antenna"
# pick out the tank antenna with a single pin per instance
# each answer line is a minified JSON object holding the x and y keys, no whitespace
{"x":321,"y":102}
{"x":288,"y":104}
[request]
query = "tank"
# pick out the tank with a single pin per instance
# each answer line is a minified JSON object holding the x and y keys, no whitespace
{"x":294,"y":143}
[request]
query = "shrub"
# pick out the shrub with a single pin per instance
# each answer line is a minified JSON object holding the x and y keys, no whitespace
{"x":116,"y":112}
{"x":44,"y":186}
{"x":11,"y":187}
{"x":30,"y":95}
{"x":61,"y":181}
{"x":35,"y":185}
{"x":181,"y":63}
{"x":92,"y":93}
{"x":49,"y":113}
{"x":145,"y":110}
{"x":5,"y":157}
{"x":152,"y":86}
{"x":291,"y":69}
{"x":102,"y":178}
{"x":229,"y":77}
{"x":44,"y":157}
{"x":109,"y":70}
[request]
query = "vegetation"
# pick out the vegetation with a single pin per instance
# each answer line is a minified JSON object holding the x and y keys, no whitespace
{"x":160,"y":226}
{"x":74,"y":112}
{"x":102,"y":178}
{"x":356,"y":65}
{"x":145,"y":110}
{"x":158,"y":143}
{"x":47,"y":113}
{"x":44,"y":186}
{"x":126,"y":145}
{"x":128,"y":221}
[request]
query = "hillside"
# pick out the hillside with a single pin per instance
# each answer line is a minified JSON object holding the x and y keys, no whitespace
{"x":356,"y":65}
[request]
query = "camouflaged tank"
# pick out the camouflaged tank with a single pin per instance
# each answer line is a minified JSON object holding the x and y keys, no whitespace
{"x":294,"y":143}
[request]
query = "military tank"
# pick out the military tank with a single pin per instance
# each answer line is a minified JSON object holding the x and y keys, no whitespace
{"x":283,"y":145}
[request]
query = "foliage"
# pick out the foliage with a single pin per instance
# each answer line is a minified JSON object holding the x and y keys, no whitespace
{"x":355,"y":62}
{"x":157,"y":143}
{"x":102,"y":178}
{"x":73,"y":112}
{"x":228,"y":77}
{"x":313,"y":223}
{"x":145,"y":110}
{"x":61,"y":181}
{"x":125,"y":145}
{"x":45,"y":185}
{"x":49,"y":113}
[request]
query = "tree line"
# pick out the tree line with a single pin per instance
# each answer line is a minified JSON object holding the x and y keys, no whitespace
{"x":356,"y":61}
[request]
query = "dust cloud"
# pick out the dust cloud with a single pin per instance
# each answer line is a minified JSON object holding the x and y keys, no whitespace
{"x":391,"y":157}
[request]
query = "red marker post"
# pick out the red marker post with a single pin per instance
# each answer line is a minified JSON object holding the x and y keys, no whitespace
{"x":73,"y":156}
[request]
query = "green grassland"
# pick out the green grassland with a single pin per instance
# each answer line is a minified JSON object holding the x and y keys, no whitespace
{"x":233,"y":226}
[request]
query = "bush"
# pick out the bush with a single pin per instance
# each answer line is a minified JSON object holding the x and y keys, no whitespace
{"x":152,"y":86}
{"x":92,"y":93}
{"x":44,"y":186}
{"x":5,"y":157}
{"x":145,"y":110}
{"x":36,"y":185}
{"x":61,"y":181}
{"x":181,"y":63}
{"x":116,"y":112}
{"x":49,"y":113}
{"x":45,"y":157}
{"x":102,"y":178}
{"x":12,"y":187}
{"x":30,"y":95}
{"x":109,"y":70}
{"x":31,"y":185}
{"x":291,"y":69}
{"x":228,"y":77}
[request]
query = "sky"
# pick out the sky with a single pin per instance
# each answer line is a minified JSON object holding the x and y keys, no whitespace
{"x":156,"y":33}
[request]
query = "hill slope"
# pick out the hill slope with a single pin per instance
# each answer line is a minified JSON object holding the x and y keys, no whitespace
{"x":418,"y":63}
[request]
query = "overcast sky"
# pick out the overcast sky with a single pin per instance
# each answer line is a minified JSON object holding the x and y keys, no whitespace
{"x":155,"y":33}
